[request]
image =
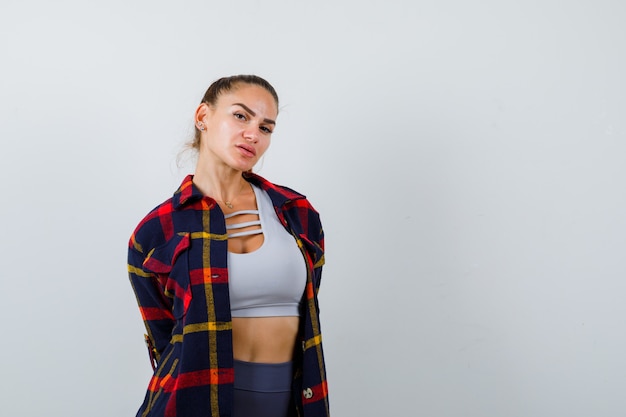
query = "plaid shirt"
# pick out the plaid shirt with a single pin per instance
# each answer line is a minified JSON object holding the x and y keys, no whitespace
{"x":177,"y":262}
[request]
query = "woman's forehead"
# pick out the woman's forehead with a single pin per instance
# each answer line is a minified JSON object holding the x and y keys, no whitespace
{"x":252,"y":96}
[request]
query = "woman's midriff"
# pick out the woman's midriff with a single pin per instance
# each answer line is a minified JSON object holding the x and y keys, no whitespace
{"x":264,"y":339}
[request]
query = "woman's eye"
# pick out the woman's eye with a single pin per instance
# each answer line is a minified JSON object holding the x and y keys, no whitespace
{"x":266,"y":129}
{"x":240,"y":116}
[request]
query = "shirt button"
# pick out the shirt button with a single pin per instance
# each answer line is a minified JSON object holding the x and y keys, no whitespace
{"x":308,"y":393}
{"x":303,"y":345}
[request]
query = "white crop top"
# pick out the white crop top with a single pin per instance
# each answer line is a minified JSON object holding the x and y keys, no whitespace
{"x":269,"y":281}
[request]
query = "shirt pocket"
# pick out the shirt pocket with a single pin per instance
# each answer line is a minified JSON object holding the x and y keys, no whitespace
{"x":170,"y":263}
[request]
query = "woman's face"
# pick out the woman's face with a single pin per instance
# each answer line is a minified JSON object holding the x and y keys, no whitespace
{"x":238,"y":128}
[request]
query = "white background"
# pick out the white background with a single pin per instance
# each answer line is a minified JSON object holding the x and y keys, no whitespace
{"x":468,"y":159}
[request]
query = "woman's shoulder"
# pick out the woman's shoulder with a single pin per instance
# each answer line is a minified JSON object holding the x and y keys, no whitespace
{"x":280,"y":194}
{"x":294,"y":205}
{"x":166,"y":219}
{"x":149,"y":231}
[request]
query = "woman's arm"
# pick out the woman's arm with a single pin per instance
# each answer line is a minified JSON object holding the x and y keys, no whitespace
{"x":155,"y":307}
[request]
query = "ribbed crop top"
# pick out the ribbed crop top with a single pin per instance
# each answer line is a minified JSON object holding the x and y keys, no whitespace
{"x":269,"y":281}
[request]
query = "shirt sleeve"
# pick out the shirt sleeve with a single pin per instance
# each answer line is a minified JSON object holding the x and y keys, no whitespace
{"x":320,"y":259}
{"x":155,"y":306}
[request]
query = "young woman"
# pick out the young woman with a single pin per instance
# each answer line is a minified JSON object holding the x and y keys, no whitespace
{"x":226,"y":274}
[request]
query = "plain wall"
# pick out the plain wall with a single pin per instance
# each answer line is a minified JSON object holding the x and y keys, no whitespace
{"x":468,"y":160}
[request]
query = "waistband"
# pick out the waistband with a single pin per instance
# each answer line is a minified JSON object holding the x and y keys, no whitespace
{"x":263,"y":377}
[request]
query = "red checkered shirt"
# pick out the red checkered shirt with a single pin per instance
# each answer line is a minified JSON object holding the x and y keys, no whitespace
{"x":177,"y":262}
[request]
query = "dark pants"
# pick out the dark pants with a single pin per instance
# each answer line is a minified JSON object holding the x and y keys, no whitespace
{"x":263,"y":389}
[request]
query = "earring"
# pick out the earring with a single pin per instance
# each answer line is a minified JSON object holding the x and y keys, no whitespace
{"x":201,"y":126}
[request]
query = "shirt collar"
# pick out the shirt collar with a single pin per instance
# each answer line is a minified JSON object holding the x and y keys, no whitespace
{"x":186,"y":193}
{"x":280,"y":195}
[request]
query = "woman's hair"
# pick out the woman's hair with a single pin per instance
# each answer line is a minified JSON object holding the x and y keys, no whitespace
{"x":224,"y":85}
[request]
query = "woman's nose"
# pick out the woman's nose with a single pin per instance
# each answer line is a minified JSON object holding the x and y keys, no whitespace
{"x":251,"y":134}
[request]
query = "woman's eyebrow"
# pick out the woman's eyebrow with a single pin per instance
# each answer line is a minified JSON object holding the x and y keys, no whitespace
{"x":249,"y":110}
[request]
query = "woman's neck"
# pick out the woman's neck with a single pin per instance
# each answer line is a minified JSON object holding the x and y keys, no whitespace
{"x":221,"y":183}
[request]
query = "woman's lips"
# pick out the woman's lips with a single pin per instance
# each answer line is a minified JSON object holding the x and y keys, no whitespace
{"x":247,"y":150}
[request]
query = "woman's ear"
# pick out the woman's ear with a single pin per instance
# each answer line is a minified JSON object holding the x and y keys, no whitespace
{"x":200,"y":117}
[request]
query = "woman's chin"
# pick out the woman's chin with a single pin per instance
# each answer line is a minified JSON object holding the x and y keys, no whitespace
{"x":243,"y":166}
